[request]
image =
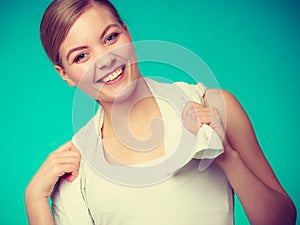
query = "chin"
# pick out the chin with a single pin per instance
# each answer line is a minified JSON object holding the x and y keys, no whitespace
{"x":122,"y":93}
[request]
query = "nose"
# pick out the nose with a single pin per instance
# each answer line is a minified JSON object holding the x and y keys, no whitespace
{"x":105,"y":61}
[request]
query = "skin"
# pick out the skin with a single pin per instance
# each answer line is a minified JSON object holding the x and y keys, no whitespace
{"x":243,"y":162}
{"x":263,"y":198}
{"x":90,"y":48}
{"x":62,"y":162}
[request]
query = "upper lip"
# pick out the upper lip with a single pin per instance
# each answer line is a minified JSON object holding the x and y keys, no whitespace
{"x":100,"y":78}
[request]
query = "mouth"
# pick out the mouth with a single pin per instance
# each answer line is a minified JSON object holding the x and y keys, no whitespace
{"x":113,"y":77}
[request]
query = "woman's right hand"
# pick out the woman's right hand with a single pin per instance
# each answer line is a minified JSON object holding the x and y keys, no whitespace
{"x":63,"y":162}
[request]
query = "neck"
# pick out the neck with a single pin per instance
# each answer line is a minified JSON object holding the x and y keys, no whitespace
{"x":139,"y":106}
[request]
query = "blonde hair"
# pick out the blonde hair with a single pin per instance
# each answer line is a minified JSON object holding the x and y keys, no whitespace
{"x":58,"y":19}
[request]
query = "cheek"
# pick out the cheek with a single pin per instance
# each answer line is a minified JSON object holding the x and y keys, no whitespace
{"x":126,"y":51}
{"x":77,"y":73}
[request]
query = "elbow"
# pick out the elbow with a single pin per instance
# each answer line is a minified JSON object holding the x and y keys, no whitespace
{"x":284,"y":213}
{"x":289,"y":215}
{"x":293,"y":213}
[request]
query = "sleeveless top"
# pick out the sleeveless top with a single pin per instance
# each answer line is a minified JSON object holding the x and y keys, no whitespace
{"x":183,"y":187}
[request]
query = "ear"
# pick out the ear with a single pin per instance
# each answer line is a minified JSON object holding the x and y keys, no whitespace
{"x":64,"y":75}
{"x":125,"y":27}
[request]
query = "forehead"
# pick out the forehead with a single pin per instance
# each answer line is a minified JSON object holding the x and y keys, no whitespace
{"x":89,"y":25}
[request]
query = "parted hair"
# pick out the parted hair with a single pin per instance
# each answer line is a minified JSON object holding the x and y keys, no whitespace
{"x":58,"y":19}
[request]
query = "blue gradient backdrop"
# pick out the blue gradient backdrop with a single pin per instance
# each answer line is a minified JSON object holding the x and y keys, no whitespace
{"x":251,"y":46}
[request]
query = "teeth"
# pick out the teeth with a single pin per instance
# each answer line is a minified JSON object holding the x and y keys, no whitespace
{"x":113,"y":76}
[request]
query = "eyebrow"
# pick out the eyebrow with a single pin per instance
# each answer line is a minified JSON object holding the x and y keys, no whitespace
{"x":74,"y":50}
{"x":84,"y":47}
{"x":107,"y":28}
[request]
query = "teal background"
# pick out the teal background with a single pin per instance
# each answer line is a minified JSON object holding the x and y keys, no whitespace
{"x":251,"y":46}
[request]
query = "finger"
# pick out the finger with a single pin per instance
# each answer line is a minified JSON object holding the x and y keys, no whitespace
{"x":194,"y":115}
{"x":62,"y":169}
{"x":68,"y":146}
{"x":189,"y":111}
{"x":71,"y":176}
{"x":75,"y":154}
{"x":60,"y":156}
{"x":204,"y":118}
{"x":58,"y":169}
{"x":54,"y":162}
{"x":197,"y":109}
{"x":202,"y":115}
{"x":193,"y":124}
{"x":65,"y":160}
{"x":186,"y":108}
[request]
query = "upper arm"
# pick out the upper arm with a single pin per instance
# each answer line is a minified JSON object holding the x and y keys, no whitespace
{"x":241,"y":136}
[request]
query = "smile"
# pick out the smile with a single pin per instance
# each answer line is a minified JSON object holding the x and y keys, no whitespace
{"x":113,"y":77}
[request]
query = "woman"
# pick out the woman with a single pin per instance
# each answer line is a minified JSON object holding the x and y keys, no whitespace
{"x":91,"y":47}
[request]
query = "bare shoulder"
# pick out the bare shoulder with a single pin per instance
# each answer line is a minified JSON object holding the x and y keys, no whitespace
{"x":227,"y":105}
{"x":236,"y":122}
{"x":215,"y":97}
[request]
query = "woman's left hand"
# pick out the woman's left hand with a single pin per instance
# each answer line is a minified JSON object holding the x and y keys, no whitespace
{"x":195,"y":115}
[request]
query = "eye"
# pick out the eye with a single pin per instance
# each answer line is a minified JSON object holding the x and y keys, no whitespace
{"x":81,"y":57}
{"x":112,"y":37}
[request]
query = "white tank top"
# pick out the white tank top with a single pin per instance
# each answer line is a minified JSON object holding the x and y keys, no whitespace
{"x":188,"y":197}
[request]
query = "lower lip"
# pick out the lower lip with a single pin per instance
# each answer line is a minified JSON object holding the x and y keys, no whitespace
{"x":117,"y":79}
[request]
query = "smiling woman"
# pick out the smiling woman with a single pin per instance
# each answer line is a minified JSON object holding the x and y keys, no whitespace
{"x":83,"y":46}
{"x":199,"y":149}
